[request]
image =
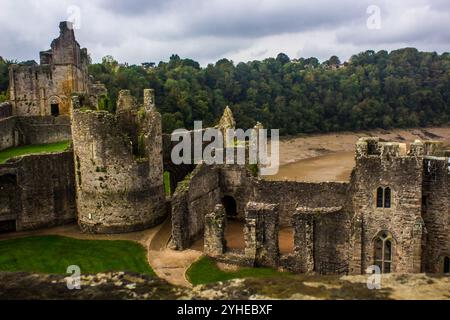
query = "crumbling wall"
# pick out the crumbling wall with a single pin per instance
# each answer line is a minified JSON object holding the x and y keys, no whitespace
{"x":290,"y":195}
{"x":33,"y":89}
{"x":43,"y":192}
{"x":321,"y":241}
{"x":194,"y":198}
{"x":261,"y":234}
{"x":16,"y":131}
{"x":387,"y":165}
{"x":237,"y":181}
{"x":436,"y":213}
{"x":215,"y":225}
{"x":117,"y":190}
{"x":5,"y":110}
{"x":42,"y":130}
{"x":9,"y":135}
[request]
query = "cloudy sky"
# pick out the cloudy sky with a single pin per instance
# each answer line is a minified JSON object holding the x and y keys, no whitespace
{"x":138,"y":31}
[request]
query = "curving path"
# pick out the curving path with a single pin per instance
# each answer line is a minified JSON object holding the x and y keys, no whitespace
{"x":168,"y":264}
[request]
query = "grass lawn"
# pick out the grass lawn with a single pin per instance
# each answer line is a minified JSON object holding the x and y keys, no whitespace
{"x":53,"y":254}
{"x":31,"y":149}
{"x":205,"y":271}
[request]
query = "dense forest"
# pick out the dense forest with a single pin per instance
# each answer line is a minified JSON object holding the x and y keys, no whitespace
{"x":4,"y":79}
{"x":403,"y":88}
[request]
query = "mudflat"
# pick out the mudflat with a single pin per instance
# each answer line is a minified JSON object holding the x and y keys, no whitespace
{"x":330,"y":157}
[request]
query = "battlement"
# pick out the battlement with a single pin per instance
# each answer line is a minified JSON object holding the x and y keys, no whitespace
{"x":373,"y":147}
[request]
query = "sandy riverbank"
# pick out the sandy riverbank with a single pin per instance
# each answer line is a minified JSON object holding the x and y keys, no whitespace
{"x":330,"y":157}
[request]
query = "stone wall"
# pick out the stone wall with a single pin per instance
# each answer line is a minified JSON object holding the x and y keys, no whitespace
{"x":237,"y":181}
{"x":215,"y":225}
{"x":321,"y":241}
{"x":10,"y":135}
{"x":194,"y":198}
{"x":117,"y":190}
{"x":261,"y":234}
{"x":291,"y":194}
{"x":38,"y":191}
{"x":62,"y":70}
{"x":436,"y":213}
{"x":5,"y":110}
{"x":16,"y":131}
{"x":387,"y":165}
{"x":42,"y":130}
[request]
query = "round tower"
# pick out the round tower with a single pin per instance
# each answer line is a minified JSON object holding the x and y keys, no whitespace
{"x":118,"y":189}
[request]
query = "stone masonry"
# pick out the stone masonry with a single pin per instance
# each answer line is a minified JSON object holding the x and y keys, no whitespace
{"x":119,"y":184}
{"x":46,"y":88}
{"x":394,"y":213}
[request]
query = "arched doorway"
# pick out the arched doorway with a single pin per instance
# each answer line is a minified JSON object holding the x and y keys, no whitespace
{"x":230,"y":206}
{"x":383,"y":251}
{"x":55,"y":105}
{"x":234,"y":233}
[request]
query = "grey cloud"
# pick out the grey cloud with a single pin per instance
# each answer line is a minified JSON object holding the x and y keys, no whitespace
{"x":135,"y":7}
{"x":252,"y":21}
{"x":206,"y":30}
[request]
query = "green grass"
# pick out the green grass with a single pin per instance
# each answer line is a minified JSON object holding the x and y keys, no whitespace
{"x":167,"y":183}
{"x":205,"y":271}
{"x":31,"y":149}
{"x":53,"y":254}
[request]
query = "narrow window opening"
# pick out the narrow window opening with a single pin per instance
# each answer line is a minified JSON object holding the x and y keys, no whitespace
{"x":380,"y":197}
{"x":387,"y":197}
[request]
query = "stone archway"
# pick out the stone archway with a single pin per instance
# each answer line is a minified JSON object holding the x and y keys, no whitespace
{"x":55,"y":105}
{"x":234,"y":233}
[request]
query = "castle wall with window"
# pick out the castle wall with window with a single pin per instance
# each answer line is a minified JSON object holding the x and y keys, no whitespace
{"x":387,"y":194}
{"x":46,"y":88}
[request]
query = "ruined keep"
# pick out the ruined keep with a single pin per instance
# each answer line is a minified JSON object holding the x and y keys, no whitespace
{"x":38,"y":190}
{"x":46,"y":88}
{"x":118,"y":166}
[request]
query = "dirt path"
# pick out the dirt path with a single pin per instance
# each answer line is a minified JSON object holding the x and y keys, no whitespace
{"x":168,"y":264}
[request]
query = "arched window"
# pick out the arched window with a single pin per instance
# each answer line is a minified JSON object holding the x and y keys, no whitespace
{"x":446,"y":265}
{"x":387,"y":197}
{"x":380,"y":197}
{"x":383,"y":246}
{"x":384,"y":197}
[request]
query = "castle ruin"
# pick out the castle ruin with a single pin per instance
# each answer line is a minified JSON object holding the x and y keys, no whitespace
{"x":393,"y":213}
{"x":46,"y":89}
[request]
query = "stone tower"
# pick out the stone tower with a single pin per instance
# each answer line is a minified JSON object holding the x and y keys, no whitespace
{"x":119,"y":167}
{"x":387,"y":194}
{"x":46,"y":88}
